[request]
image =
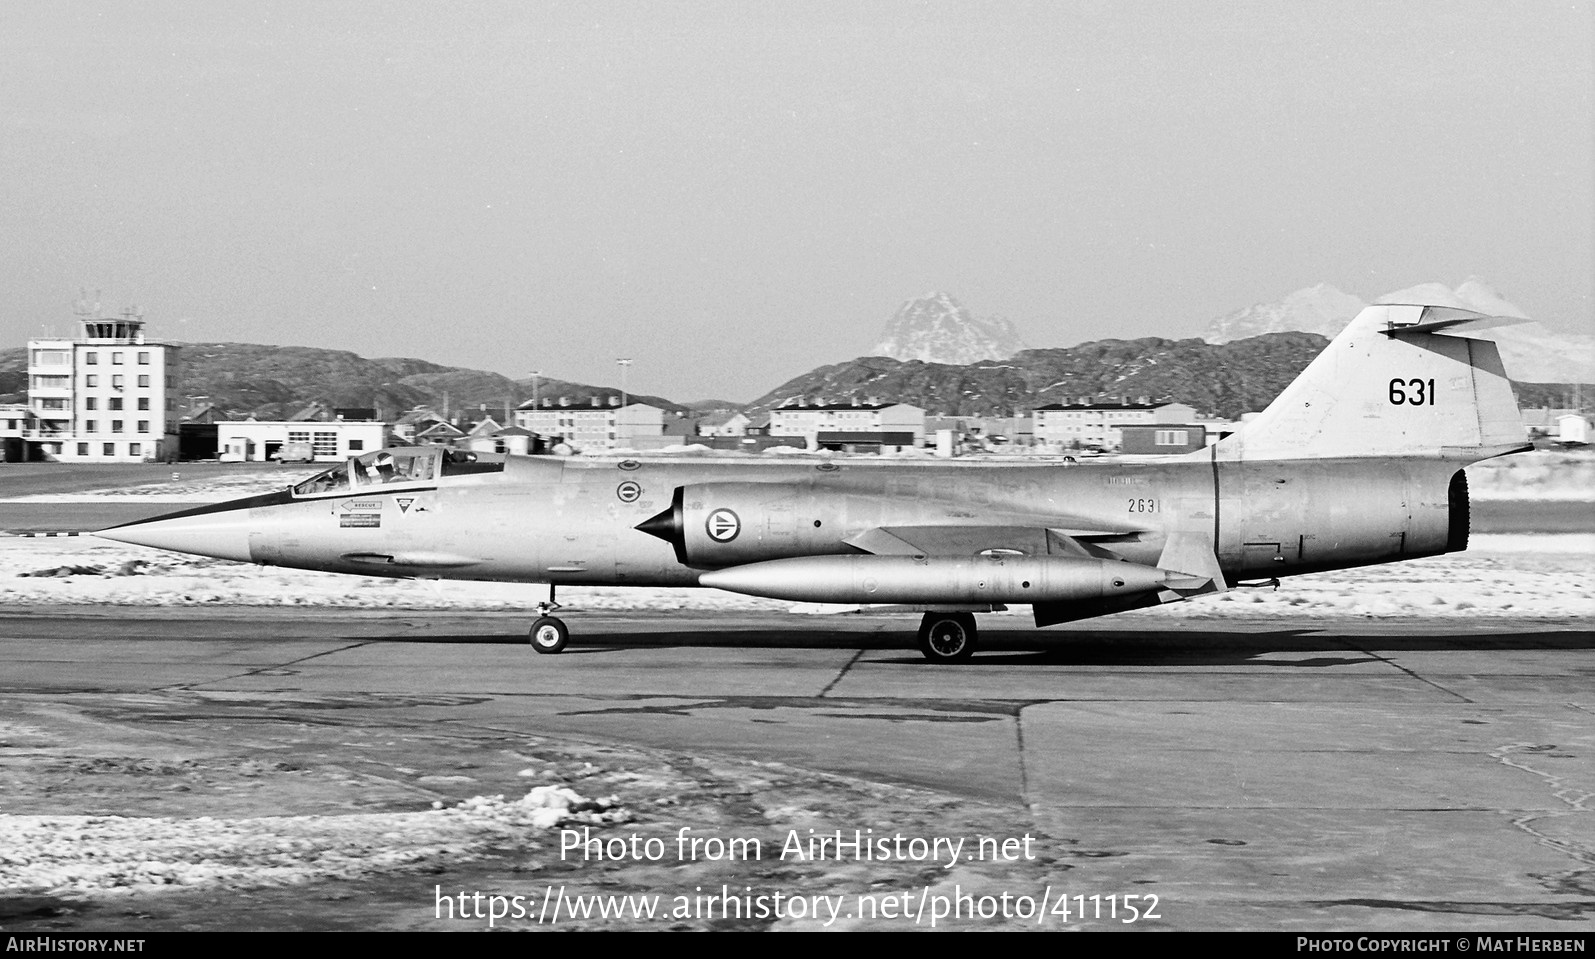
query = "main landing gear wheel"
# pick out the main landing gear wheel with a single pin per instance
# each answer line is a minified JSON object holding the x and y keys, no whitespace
{"x":947,"y":637}
{"x":548,"y":635}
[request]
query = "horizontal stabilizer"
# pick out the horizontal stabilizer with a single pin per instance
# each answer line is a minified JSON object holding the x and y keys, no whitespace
{"x":1447,"y":319}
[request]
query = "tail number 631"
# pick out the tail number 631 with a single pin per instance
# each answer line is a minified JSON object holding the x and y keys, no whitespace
{"x":1412,"y":392}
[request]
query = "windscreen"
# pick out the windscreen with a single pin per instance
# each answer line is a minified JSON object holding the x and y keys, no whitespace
{"x":329,"y":481}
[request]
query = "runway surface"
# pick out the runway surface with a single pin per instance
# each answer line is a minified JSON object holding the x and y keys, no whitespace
{"x":1351,"y":775}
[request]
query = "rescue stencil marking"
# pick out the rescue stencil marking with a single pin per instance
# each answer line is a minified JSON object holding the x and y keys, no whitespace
{"x":628,"y":491}
{"x":723,"y":526}
{"x":360,"y":519}
{"x":404,"y":503}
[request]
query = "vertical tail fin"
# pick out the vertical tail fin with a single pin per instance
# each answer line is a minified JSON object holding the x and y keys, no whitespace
{"x":1398,"y":380}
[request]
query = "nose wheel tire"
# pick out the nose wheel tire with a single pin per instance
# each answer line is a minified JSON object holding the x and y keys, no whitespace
{"x":548,"y":635}
{"x":947,"y":637}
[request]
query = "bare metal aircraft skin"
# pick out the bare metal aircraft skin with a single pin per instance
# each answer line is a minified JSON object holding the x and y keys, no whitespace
{"x":1358,"y":462}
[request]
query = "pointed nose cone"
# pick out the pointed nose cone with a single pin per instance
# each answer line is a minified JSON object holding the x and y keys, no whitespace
{"x":221,"y":531}
{"x":666,"y":525}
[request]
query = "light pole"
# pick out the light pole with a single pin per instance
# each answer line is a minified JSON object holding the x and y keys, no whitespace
{"x":625,"y":364}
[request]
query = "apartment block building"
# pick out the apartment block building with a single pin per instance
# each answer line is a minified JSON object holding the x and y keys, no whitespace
{"x":854,"y":418}
{"x":1099,"y":425}
{"x":597,"y":425}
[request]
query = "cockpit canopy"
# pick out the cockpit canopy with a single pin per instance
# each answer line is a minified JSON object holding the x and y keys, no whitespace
{"x":401,"y":466}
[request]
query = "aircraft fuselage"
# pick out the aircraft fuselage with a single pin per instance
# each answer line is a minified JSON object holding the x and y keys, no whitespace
{"x":574,"y":522}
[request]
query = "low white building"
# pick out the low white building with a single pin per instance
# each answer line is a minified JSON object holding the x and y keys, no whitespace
{"x":512,"y":439}
{"x":1545,"y":420}
{"x":13,"y":423}
{"x":13,"y":420}
{"x":251,"y":441}
{"x":1573,"y":429}
{"x":724,"y":424}
{"x":983,"y":432}
{"x":1097,"y":424}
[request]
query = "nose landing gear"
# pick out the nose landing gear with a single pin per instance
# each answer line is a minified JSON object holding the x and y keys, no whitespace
{"x":548,"y":633}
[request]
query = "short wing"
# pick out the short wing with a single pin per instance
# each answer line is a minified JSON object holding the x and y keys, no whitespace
{"x":990,"y":540}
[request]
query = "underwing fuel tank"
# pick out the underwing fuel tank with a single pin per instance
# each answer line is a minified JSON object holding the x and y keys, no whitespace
{"x":945,"y":580}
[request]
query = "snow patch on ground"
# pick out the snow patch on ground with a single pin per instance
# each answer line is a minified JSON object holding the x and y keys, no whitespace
{"x":1540,"y":475}
{"x":1520,"y":576}
{"x":217,"y":489}
{"x":57,"y":854}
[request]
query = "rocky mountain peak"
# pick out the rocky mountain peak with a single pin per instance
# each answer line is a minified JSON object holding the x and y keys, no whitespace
{"x":935,"y":328}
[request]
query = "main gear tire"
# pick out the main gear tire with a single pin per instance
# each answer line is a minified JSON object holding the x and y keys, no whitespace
{"x":947,"y":637}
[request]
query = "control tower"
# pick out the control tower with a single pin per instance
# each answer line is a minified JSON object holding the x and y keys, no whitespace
{"x":105,"y":396}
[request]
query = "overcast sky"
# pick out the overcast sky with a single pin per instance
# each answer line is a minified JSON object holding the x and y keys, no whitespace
{"x":734,"y":193}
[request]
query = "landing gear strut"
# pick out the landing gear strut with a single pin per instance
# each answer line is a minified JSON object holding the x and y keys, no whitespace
{"x":947,"y":637}
{"x":548,"y":633}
